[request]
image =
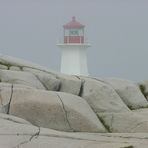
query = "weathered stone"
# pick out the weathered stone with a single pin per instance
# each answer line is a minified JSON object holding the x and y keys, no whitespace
{"x":49,"y":81}
{"x":15,"y":68}
{"x":67,"y":112}
{"x":129,"y":93}
{"x":79,"y":114}
{"x":54,"y":110}
{"x":41,"y":108}
{"x":144,"y":88}
{"x":13,"y":141}
{"x":22,"y":86}
{"x":16,"y":126}
{"x":12,"y":61}
{"x":62,"y":142}
{"x":6,"y":93}
{"x":142,"y":111}
{"x":126,"y":122}
{"x":14,"y":131}
{"x":18,"y":77}
{"x":69,"y":84}
{"x":102,"y":97}
{"x":13,"y":119}
{"x":5,"y":97}
{"x":27,"y":136}
{"x":3,"y":67}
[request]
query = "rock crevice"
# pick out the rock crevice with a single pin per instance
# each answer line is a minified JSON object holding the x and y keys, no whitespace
{"x":29,"y":140}
{"x":10,"y":99}
{"x":65,"y":111}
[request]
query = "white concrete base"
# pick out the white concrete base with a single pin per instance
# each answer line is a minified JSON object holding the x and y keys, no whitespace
{"x":74,"y":59}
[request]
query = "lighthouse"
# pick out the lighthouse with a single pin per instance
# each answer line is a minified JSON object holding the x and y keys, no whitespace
{"x":74,"y":49}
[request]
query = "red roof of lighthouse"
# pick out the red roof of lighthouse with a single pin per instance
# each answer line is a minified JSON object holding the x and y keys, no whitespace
{"x":73,"y":24}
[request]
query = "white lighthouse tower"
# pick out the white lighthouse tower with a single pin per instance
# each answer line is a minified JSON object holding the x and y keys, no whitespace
{"x":74,"y":53}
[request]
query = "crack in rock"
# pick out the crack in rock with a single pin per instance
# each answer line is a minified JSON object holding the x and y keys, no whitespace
{"x":9,"y":119}
{"x":30,"y":139}
{"x":132,"y":130}
{"x":1,"y":102}
{"x":126,"y":137}
{"x":77,"y":138}
{"x":83,"y":81}
{"x":77,"y":77}
{"x":97,"y":79}
{"x":36,"y":134}
{"x":65,"y":112}
{"x":2,"y":107}
{"x":81,"y":88}
{"x":10,"y":99}
{"x":82,"y":85}
{"x":102,"y":121}
{"x":129,"y":146}
{"x":111,"y":124}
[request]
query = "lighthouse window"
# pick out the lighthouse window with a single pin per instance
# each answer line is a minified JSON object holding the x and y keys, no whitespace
{"x":74,"y":32}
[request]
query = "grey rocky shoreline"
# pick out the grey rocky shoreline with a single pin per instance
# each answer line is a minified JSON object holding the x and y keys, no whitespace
{"x":40,"y":108}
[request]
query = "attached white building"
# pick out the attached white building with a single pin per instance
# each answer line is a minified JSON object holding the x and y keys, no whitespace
{"x":74,"y":49}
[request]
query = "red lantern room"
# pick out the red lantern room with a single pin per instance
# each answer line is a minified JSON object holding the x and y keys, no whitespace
{"x":73,"y":32}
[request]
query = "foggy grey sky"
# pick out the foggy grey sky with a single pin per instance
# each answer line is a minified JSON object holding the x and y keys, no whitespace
{"x":117,"y":30}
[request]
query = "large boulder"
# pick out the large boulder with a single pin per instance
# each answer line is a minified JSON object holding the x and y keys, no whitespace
{"x":41,"y":108}
{"x":49,"y":81}
{"x":22,"y":135}
{"x":129,"y":93}
{"x":79,"y":114}
{"x":69,"y":84}
{"x":70,"y":121}
{"x":61,"y":142}
{"x":14,"y":119}
{"x":3,"y":67}
{"x":15,"y":125}
{"x":6,"y":92}
{"x":10,"y":62}
{"x":15,"y":131}
{"x":102,"y":97}
{"x":14,"y":68}
{"x":54,"y":110}
{"x":125,"y":122}
{"x":19,"y":77}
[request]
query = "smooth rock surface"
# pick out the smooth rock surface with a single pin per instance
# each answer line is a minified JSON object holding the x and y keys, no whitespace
{"x":16,"y":126}
{"x":126,"y":122}
{"x":69,"y":84}
{"x":59,"y":111}
{"x":143,"y":111}
{"x":6,"y":92}
{"x":49,"y":81}
{"x":101,"y":97}
{"x":3,"y":67}
{"x":19,"y":77}
{"x":41,"y":108}
{"x":79,"y":114}
{"x":14,"y":68}
{"x":28,"y":136}
{"x":13,"y":61}
{"x":104,"y":106}
{"x":13,"y":119}
{"x":129,"y":93}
